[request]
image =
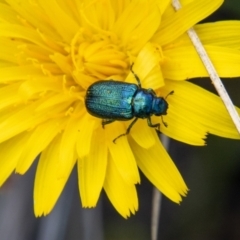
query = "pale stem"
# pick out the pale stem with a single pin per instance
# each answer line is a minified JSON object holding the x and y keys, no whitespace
{"x":156,"y":208}
{"x":212,"y":72}
{"x":157,"y":200}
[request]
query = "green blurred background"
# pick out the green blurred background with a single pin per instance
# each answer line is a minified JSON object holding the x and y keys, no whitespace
{"x":210,"y":211}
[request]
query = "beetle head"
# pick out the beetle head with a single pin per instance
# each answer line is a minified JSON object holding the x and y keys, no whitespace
{"x":160,"y":106}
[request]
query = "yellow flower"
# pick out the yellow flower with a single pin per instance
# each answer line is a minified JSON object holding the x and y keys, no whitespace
{"x":52,"y":51}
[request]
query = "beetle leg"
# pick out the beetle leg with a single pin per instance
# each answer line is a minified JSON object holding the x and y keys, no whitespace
{"x":157,"y":125}
{"x":128,"y":130}
{"x":136,"y":76}
{"x":164,"y":123}
{"x":106,"y":121}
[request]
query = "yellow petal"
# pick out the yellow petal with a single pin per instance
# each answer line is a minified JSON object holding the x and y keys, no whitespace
{"x":68,"y":152}
{"x":38,"y":86}
{"x":92,"y":170}
{"x":17,"y":31}
{"x":158,"y":167}
{"x":184,"y":63}
{"x":54,"y":100}
{"x":146,"y":67}
{"x":9,"y":95}
{"x":94,"y":14}
{"x":222,"y":33}
{"x":131,"y":32}
{"x":85,"y":132}
{"x":39,"y":140}
{"x":62,"y":22}
{"x":18,"y":120}
{"x":8,"y":14}
{"x":179,"y":22}
{"x":142,"y":133}
{"x":10,"y":151}
{"x":190,"y":106}
{"x":121,"y":153}
{"x":48,"y":183}
{"x":122,"y":195}
{"x":181,"y":127}
{"x":8,"y":50}
{"x":151,"y":22}
{"x":163,"y":5}
{"x":15,"y":73}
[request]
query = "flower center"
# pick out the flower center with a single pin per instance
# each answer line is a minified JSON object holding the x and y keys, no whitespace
{"x":97,"y":57}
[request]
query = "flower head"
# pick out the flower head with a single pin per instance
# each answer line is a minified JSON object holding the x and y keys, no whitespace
{"x":52,"y":51}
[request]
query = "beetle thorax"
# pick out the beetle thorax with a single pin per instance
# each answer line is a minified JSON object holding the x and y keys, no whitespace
{"x":142,"y":104}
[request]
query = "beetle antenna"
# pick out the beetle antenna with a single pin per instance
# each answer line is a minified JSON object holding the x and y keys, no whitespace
{"x":171,"y":93}
{"x":135,"y":75}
